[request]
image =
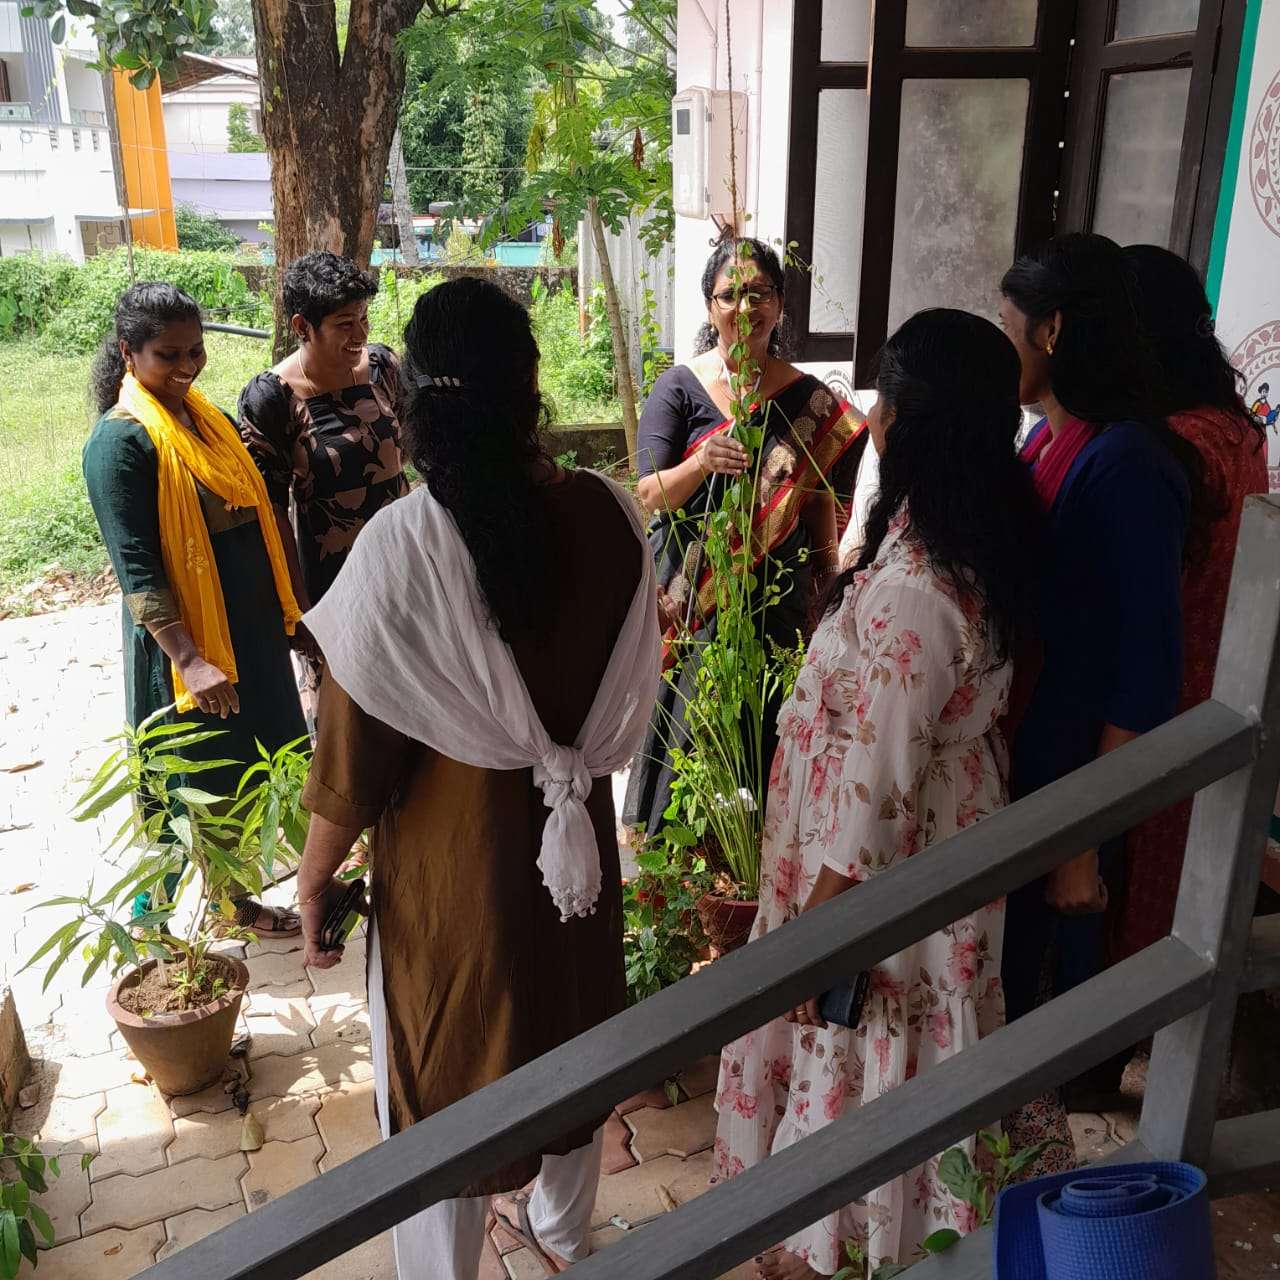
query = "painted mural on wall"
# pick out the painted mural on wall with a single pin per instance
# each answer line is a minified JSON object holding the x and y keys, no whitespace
{"x":1264,"y":156}
{"x":1258,"y":359}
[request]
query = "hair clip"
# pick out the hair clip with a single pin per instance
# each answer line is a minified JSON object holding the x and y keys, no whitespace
{"x":439,"y":382}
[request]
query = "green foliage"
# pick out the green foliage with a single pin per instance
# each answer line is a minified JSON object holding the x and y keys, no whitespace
{"x":46,"y":524}
{"x":25,"y":1172}
{"x":32,"y":288}
{"x":233,"y":28}
{"x":144,"y":37}
{"x":390,"y":311}
{"x":661,"y":935}
{"x":576,"y":376}
{"x":177,"y":832}
{"x":240,"y":135}
{"x":202,"y":231}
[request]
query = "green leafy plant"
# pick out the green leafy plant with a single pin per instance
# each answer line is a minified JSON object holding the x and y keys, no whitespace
{"x":25,"y":1173}
{"x":662,"y":939}
{"x":175,"y":834}
{"x":977,"y":1186}
{"x":390,"y":310}
{"x":198,"y":230}
{"x":241,"y":138}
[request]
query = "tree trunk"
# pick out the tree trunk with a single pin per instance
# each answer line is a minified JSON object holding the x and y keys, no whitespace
{"x":328,"y":120}
{"x":400,"y":203}
{"x":617,"y":332}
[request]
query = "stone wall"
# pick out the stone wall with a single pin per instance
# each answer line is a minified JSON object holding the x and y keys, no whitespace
{"x":15,"y":1062}
{"x":518,"y":281}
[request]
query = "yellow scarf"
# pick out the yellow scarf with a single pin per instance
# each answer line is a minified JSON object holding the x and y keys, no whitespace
{"x":214,"y":455}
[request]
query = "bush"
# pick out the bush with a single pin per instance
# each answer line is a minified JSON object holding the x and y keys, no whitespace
{"x":50,"y":523}
{"x":576,"y":373}
{"x":240,"y":135}
{"x":86,"y":315}
{"x":198,"y":230}
{"x":32,"y":290}
{"x":390,"y":311}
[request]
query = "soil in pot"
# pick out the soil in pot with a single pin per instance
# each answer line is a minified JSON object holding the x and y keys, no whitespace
{"x":183,"y":1052}
{"x":153,"y":995}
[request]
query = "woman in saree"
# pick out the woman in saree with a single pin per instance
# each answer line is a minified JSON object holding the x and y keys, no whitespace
{"x":688,"y":453}
{"x":889,"y":744}
{"x":208,"y":608}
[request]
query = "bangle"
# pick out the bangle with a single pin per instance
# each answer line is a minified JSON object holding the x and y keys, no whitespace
{"x":177,"y":622}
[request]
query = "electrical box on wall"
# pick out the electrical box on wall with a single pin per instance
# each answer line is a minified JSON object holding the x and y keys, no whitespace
{"x":708,"y":126}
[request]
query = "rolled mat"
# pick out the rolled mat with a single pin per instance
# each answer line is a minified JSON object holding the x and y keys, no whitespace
{"x":1118,"y":1222}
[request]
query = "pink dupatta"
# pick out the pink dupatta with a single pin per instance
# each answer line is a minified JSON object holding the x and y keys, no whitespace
{"x":1050,"y":456}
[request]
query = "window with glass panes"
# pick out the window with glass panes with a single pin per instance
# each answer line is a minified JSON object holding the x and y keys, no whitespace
{"x":932,"y":140}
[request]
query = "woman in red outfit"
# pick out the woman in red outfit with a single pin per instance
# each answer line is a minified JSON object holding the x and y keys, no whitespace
{"x":1202,"y":403}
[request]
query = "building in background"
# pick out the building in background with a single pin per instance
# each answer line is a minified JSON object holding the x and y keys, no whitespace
{"x":985,"y":129}
{"x":57,"y":180}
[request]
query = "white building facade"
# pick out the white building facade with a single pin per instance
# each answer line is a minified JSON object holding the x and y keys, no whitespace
{"x":57,"y":181}
{"x":195,"y":117}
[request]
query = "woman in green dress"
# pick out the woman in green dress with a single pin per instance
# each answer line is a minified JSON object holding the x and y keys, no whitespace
{"x":208,"y":611}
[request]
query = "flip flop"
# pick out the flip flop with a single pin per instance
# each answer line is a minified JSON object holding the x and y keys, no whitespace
{"x":284,"y":923}
{"x":552,"y":1264}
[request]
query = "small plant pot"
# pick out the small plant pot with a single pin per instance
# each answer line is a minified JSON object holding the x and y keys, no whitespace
{"x":182,"y":1052}
{"x":726,"y":921}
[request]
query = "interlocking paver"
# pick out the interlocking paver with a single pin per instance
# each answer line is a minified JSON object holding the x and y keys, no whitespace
{"x":282,"y":1120}
{"x":1091,"y":1136}
{"x":278,"y":1168}
{"x":69,"y":1195}
{"x":678,"y":1131}
{"x":108,"y":1255}
{"x":313,"y":1071}
{"x":633,"y":1193}
{"x":701,"y":1077}
{"x":277,"y":946}
{"x":77,"y":1077}
{"x":133,"y":1132}
{"x":281,"y":973}
{"x":347,"y":1024}
{"x":347,"y":1124}
{"x":616,"y":1154}
{"x":278,"y":1024}
{"x":127,"y":1202}
{"x":55,"y":1119}
{"x":186,"y":1228}
{"x":373,"y":1260}
{"x":208,"y":1101}
{"x":344,"y":984}
{"x":656,"y":1098}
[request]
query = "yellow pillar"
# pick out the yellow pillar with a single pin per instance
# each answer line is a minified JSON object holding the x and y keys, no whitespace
{"x":145,"y":159}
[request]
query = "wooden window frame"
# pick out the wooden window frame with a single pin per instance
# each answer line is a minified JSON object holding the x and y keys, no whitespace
{"x":1058,"y":186}
{"x":809,"y":77}
{"x":1212,"y":48}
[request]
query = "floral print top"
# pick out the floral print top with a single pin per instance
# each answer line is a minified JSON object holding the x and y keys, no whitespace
{"x":338,"y":455}
{"x":888,"y":745}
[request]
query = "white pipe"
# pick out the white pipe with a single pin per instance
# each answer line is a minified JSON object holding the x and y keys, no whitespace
{"x":757,"y":111}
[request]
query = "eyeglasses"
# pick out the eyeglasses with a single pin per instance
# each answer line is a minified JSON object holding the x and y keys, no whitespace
{"x":753,"y":297}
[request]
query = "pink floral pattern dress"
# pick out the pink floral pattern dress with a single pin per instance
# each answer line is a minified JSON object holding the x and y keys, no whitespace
{"x":888,"y":745}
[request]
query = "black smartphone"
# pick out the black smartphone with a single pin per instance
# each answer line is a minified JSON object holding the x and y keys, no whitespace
{"x":842,"y":1004}
{"x":341,"y":919}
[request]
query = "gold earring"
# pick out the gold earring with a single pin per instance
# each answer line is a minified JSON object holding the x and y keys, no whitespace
{"x":1048,"y":347}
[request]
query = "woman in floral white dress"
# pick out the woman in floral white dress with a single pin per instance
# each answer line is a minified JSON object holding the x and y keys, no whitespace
{"x":888,"y":745}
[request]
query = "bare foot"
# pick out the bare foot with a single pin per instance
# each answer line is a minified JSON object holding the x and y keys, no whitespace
{"x":778,"y":1264}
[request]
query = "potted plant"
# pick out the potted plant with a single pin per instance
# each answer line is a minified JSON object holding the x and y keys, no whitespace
{"x":177,"y":1000}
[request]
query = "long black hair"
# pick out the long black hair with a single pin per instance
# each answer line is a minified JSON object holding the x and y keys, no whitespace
{"x":1175,"y":313}
{"x":476,"y":443}
{"x":729,"y":252}
{"x":144,"y":312}
{"x":950,"y":458}
{"x":1104,"y":367}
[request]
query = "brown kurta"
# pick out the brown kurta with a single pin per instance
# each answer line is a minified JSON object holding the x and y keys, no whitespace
{"x":480,"y":976}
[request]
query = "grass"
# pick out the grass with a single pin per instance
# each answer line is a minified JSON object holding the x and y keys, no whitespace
{"x":45,"y":416}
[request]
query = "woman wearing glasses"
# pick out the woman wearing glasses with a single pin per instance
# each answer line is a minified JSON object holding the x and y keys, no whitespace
{"x":687,"y":456}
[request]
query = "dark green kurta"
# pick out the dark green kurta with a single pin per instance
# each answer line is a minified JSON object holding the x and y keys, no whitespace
{"x":121,"y":471}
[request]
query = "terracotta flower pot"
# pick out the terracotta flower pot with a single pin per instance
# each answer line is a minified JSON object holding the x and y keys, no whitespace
{"x":182,"y":1052}
{"x":726,"y":921}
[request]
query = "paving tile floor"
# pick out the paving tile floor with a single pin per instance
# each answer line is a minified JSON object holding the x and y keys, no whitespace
{"x":170,"y":1171}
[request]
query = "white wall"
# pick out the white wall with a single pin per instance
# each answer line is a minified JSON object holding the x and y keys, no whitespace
{"x":39,"y":182}
{"x":19,"y":237}
{"x":1248,"y":317}
{"x":10,"y":27}
{"x":195,"y":120}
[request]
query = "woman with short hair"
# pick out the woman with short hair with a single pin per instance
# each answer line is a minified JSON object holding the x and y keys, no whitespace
{"x":323,"y":426}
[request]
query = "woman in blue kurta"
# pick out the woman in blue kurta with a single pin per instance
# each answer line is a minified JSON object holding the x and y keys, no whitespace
{"x":1118,"y":486}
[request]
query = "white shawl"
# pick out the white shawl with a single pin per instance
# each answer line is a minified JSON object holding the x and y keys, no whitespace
{"x":406,"y":633}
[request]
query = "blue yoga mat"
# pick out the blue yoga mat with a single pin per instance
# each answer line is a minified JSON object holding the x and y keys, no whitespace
{"x":1119,"y":1222}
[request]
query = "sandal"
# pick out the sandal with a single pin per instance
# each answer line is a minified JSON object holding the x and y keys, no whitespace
{"x":284,"y":923}
{"x":520,"y":1228}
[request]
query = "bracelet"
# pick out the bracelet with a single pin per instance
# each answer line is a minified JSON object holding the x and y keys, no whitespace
{"x":315,"y":897}
{"x":177,"y":622}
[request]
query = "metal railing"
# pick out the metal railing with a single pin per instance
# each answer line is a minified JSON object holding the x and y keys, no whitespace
{"x":1183,"y":988}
